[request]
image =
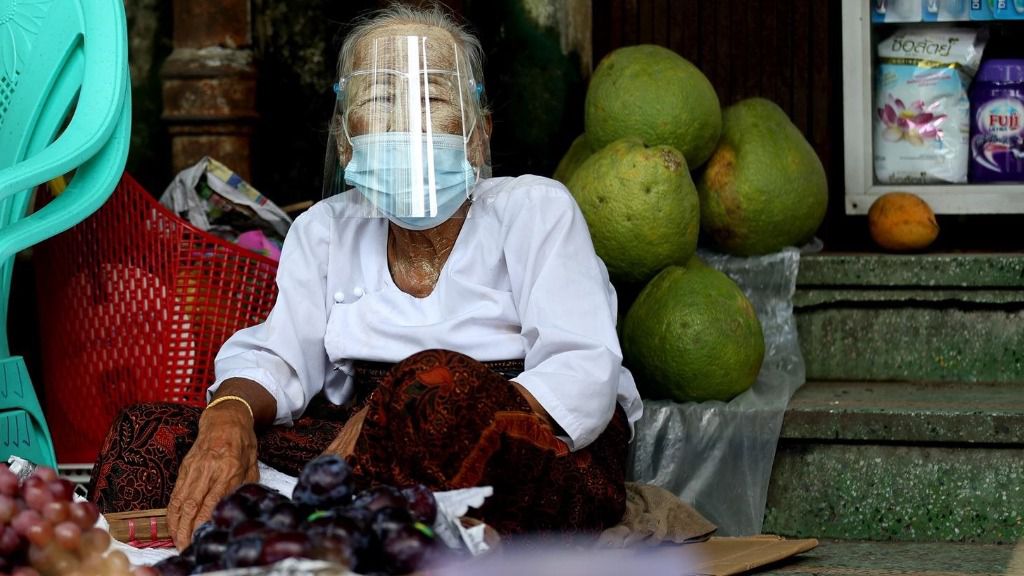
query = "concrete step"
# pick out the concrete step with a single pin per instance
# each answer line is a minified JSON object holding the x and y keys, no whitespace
{"x":901,"y":461}
{"x":933,"y":317}
{"x":847,"y":558}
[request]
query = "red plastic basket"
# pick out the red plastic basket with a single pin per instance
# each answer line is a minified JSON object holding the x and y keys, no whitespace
{"x":134,"y":304}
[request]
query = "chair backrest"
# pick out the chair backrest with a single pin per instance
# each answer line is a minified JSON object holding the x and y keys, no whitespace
{"x":65,"y":107}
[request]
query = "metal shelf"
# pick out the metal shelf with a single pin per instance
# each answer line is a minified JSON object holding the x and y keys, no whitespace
{"x":948,"y":198}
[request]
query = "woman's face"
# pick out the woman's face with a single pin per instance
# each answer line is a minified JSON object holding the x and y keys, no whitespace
{"x":408,"y":78}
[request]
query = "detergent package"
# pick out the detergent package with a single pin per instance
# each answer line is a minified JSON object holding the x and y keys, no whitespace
{"x":921,"y":131}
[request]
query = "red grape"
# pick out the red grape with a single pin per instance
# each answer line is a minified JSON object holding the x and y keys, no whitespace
{"x":45,"y":474}
{"x":24,"y":520}
{"x":84,"y":514}
{"x":95,"y":541}
{"x":10,"y":542}
{"x":36,"y":496}
{"x":8,"y":508}
{"x":61,"y":489}
{"x":8,"y":482}
{"x":117,"y":562}
{"x":56,"y":512}
{"x":40,"y":533}
{"x":68,"y":535}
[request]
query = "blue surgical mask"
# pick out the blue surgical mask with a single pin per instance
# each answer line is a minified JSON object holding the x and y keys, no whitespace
{"x":381,"y":170}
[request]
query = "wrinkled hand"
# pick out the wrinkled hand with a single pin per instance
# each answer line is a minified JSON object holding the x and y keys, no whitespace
{"x":222,"y":458}
{"x":345,"y":443}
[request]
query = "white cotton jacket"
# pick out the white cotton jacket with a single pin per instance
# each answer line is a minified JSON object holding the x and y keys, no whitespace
{"x":522,"y":282}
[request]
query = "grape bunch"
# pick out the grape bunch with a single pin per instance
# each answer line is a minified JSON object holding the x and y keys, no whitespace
{"x":43,"y":531}
{"x":379,"y":530}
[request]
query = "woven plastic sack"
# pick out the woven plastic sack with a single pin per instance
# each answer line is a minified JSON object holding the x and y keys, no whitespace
{"x":134,"y":304}
{"x":717,"y":456}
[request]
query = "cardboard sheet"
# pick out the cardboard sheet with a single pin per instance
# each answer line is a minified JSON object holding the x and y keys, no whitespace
{"x":720,"y":556}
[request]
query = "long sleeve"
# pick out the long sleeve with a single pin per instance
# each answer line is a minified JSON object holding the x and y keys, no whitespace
{"x":567,"y":309}
{"x":285,"y":354}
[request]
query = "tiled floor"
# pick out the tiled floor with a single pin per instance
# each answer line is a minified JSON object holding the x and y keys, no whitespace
{"x":836,"y":558}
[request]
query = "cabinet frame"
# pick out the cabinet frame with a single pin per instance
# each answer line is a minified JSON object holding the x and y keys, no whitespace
{"x":858,"y":123}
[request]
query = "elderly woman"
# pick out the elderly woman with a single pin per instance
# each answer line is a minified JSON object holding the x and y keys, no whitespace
{"x":461,"y":327}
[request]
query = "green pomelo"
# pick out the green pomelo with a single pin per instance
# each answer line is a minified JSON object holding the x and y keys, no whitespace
{"x":656,"y":95}
{"x":579,"y":151}
{"x":641,"y":207}
{"x":764,"y":188}
{"x":692,"y":335}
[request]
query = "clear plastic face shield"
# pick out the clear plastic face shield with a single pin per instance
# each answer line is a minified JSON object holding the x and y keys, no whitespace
{"x":408,"y":134}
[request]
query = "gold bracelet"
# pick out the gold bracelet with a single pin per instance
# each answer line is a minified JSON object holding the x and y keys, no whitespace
{"x":226,"y":398}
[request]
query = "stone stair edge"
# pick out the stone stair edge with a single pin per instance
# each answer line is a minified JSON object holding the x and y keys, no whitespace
{"x":907,"y":412}
{"x":992,"y":270}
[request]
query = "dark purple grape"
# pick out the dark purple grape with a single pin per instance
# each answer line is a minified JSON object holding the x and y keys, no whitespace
{"x":405,"y":550}
{"x":244,"y":552}
{"x":378,"y":497}
{"x":175,"y":566}
{"x":361,"y":516}
{"x":324,"y":483}
{"x":334,"y":547}
{"x":211,"y":546}
{"x":211,"y":567}
{"x":254,"y":492}
{"x":390,"y":520}
{"x":202,"y":530}
{"x":268,"y":503}
{"x":233,"y":509}
{"x":249,"y":527}
{"x":283,"y":517}
{"x":280,"y":545}
{"x":189,"y":553}
{"x":335,"y":524}
{"x":421,"y":503}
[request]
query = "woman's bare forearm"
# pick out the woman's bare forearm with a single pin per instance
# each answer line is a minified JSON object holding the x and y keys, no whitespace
{"x":264,"y":407}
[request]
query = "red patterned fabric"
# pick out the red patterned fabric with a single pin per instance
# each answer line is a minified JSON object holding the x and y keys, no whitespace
{"x":444,"y":419}
{"x":439,"y":418}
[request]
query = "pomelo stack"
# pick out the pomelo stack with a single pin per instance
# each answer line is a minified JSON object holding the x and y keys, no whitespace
{"x":659,"y":162}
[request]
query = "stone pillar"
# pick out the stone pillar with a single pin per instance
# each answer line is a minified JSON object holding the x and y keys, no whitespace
{"x":209,"y":84}
{"x":539,"y":57}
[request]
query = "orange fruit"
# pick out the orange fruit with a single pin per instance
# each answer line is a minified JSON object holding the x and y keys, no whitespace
{"x":902,"y":222}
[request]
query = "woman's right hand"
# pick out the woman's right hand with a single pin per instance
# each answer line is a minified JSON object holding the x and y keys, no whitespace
{"x":222,"y":458}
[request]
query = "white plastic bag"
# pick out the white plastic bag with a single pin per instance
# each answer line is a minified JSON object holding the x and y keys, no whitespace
{"x":717,"y":456}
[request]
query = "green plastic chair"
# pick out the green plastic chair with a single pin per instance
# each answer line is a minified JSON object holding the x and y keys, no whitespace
{"x":65,"y":106}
